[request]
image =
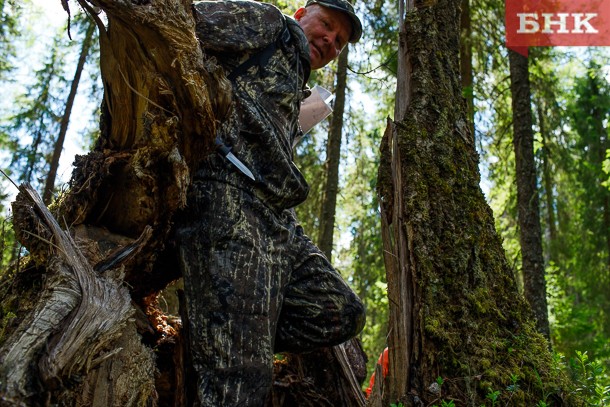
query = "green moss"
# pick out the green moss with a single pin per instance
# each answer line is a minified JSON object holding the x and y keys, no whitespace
{"x":485,"y":363}
{"x":475,"y":329}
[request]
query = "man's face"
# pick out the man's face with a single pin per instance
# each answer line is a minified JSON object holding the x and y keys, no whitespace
{"x":327,"y":31}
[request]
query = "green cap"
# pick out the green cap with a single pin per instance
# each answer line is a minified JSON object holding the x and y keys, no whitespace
{"x":344,"y":6}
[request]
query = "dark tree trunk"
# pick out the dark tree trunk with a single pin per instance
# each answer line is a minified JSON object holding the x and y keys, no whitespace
{"x":33,"y":153}
{"x":333,"y":157}
{"x":458,"y":326}
{"x":65,"y":120}
{"x":530,"y":233}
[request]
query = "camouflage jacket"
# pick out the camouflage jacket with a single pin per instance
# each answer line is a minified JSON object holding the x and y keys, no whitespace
{"x":263,"y":125}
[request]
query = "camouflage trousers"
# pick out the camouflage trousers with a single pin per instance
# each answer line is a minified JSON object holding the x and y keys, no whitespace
{"x":255,"y":285}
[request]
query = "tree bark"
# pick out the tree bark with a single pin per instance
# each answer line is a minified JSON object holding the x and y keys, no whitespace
{"x":530,"y":232}
{"x":458,"y":326}
{"x":333,"y":157}
{"x":65,"y":119}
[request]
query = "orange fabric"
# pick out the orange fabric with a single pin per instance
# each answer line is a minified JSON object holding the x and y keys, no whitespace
{"x":383,"y":362}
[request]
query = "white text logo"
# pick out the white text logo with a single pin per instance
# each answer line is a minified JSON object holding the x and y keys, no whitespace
{"x":556,"y":23}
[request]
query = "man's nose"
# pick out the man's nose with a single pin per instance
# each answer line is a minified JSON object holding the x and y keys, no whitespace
{"x":330,"y":38}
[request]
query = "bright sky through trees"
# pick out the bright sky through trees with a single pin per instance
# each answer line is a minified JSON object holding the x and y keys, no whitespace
{"x":56,"y":17}
{"x":45,"y":19}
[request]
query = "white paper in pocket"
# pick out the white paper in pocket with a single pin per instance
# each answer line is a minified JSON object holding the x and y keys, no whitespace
{"x":315,"y":108}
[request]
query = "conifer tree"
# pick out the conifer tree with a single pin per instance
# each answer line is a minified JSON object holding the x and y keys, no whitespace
{"x":10,"y":11}
{"x":67,"y":111}
{"x":530,"y":232}
{"x":33,"y":127}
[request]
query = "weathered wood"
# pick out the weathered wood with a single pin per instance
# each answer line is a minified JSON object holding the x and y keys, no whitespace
{"x":157,"y":104}
{"x":79,"y":314}
{"x":22,"y":349}
{"x":376,"y":397}
{"x":399,"y":264}
{"x":350,"y":384}
{"x":124,"y":375}
{"x":162,"y":100}
{"x":161,"y":105}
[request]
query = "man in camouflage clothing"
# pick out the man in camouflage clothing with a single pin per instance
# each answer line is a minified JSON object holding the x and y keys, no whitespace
{"x":254,"y":283}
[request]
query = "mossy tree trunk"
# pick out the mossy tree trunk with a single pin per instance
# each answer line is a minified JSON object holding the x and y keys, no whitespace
{"x":459,"y":330}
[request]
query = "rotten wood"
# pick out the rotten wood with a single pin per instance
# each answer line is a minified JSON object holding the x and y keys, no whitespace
{"x":162,"y":100}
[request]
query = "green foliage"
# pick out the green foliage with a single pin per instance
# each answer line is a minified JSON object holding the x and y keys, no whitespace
{"x":493,"y":397}
{"x":32,"y":127}
{"x":571,"y":103}
{"x":606,"y":168}
{"x":579,"y":269}
{"x":10,"y":12}
{"x":30,"y":120}
{"x":591,"y":379}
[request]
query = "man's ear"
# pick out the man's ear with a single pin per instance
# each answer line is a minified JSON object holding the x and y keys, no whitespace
{"x":300,"y":13}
